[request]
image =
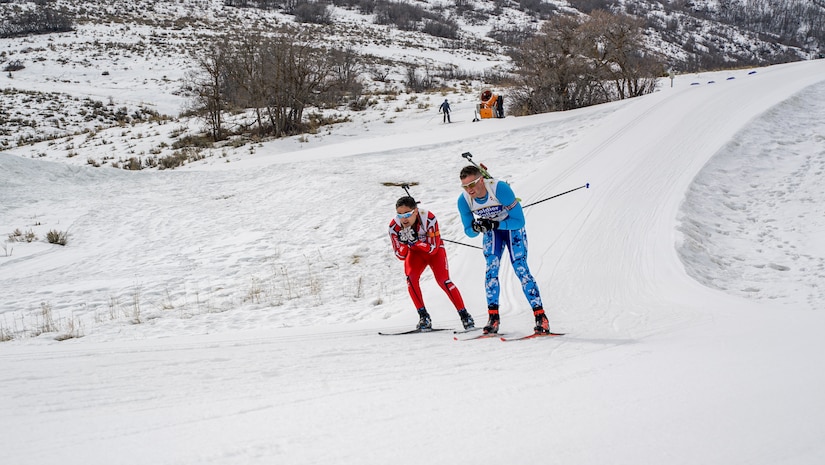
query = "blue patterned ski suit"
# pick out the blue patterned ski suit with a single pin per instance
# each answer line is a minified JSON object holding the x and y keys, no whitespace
{"x":500,"y":205}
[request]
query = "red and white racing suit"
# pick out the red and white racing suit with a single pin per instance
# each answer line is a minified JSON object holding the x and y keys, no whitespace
{"x":420,"y":246}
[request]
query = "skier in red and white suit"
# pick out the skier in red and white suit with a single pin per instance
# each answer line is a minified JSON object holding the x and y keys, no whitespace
{"x":416,"y":239}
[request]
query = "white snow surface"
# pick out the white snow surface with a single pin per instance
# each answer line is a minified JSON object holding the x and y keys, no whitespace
{"x":229,"y":311}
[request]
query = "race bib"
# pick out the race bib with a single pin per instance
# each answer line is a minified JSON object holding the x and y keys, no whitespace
{"x":490,"y":212}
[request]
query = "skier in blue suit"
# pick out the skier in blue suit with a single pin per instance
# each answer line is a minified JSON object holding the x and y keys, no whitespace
{"x":489,"y":207}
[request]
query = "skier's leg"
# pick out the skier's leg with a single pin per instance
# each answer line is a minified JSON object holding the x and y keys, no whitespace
{"x":517,"y":246}
{"x":413,"y":266}
{"x":492,"y":246}
{"x":438,"y":263}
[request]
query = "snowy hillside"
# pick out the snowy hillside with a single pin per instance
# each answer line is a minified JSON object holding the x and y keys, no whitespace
{"x":110,"y":92}
{"x":227,"y":313}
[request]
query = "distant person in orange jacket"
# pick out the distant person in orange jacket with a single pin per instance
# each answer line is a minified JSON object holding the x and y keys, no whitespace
{"x":416,"y":239}
{"x":445,"y":110}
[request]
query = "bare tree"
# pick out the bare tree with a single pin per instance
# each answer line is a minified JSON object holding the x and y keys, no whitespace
{"x":347,"y":68}
{"x":614,"y":41}
{"x":572,"y":60}
{"x":210,"y":87}
{"x":419,"y":83}
{"x":551,"y":69}
{"x":277,"y":78}
{"x":248,"y":77}
{"x":297,"y":74}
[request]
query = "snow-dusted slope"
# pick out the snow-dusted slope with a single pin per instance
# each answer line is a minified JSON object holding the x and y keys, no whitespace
{"x":262,"y":284}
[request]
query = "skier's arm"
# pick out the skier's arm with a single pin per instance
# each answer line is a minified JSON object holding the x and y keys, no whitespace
{"x":515,"y":215}
{"x":466,"y":216}
{"x":400,"y":249}
{"x":433,"y":234}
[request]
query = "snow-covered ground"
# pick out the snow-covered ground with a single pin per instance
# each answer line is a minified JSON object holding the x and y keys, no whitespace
{"x":229,"y":310}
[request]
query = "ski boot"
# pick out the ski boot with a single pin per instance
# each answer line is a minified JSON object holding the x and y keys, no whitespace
{"x":424,"y":322}
{"x":466,"y":319}
{"x":493,"y":321}
{"x":542,"y":325}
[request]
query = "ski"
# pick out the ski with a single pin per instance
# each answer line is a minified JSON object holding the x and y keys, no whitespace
{"x":462,"y":331}
{"x":532,"y":336}
{"x":480,"y":336}
{"x":415,"y":331}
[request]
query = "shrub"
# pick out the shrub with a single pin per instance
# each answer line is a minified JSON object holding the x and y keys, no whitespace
{"x":403,"y":15}
{"x":172,"y":161}
{"x":512,"y":35}
{"x":57,"y":237}
{"x":446,"y":28}
{"x":313,"y":12}
{"x":20,"y":236}
{"x":47,"y":324}
{"x":40,"y":20}
{"x":133,"y":164}
{"x":192,"y":141}
{"x":5,"y":334}
{"x":14,"y":65}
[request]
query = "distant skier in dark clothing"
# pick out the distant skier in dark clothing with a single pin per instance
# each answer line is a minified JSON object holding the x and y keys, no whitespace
{"x":445,"y":109}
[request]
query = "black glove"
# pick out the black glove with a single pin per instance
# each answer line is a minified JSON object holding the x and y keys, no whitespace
{"x":483,"y":225}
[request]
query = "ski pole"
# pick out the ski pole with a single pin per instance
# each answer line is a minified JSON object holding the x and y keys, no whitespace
{"x":406,"y":188}
{"x":460,"y":243}
{"x":585,"y":186}
{"x":482,"y":168}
